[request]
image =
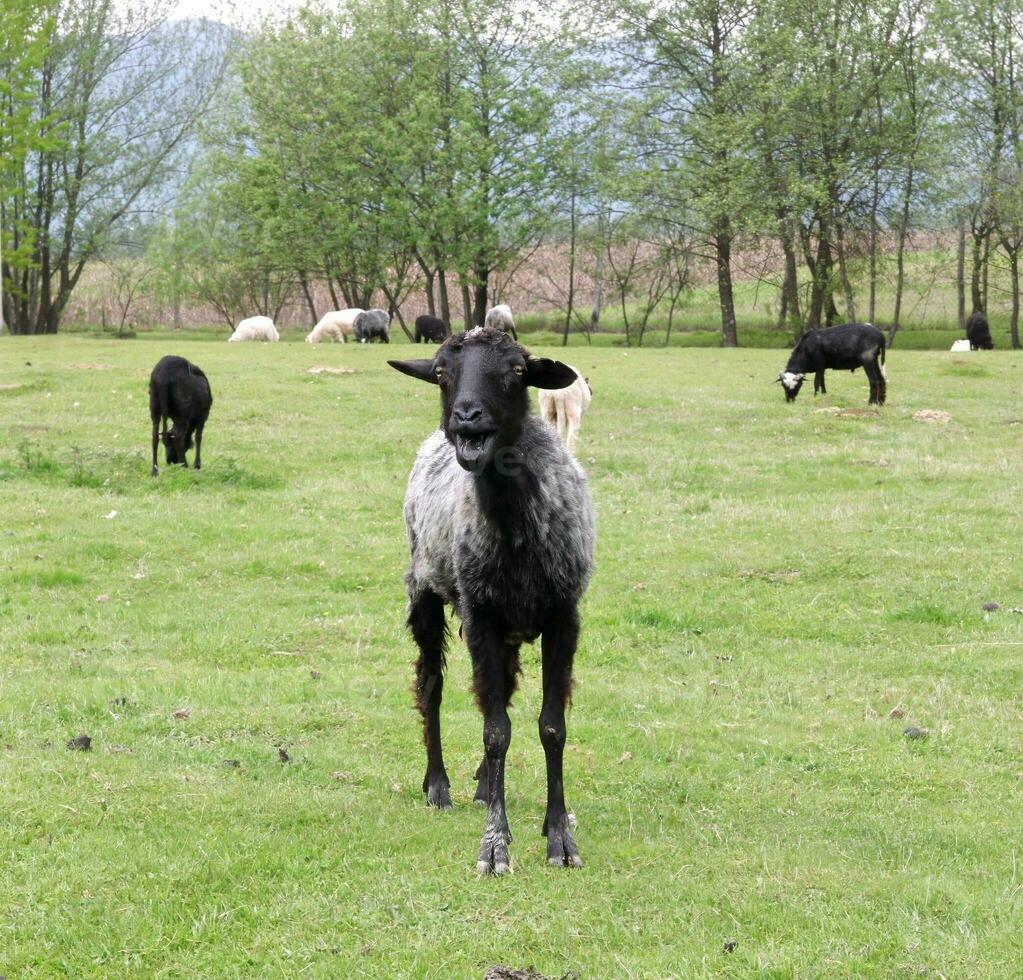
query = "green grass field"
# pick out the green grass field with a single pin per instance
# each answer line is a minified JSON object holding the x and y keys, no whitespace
{"x":774,"y":582}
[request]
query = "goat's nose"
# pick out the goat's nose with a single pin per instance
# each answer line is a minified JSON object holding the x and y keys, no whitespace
{"x":465,"y":413}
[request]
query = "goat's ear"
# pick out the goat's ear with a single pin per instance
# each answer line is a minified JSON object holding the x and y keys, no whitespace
{"x":542,"y":372}
{"x":423,"y":369}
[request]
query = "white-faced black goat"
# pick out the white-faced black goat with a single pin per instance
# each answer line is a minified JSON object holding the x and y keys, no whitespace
{"x":179,"y":391}
{"x":500,"y":526}
{"x":844,"y":348}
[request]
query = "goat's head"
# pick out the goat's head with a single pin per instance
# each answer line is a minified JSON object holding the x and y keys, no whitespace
{"x":176,"y":442}
{"x":791,"y":382}
{"x":483,"y":375}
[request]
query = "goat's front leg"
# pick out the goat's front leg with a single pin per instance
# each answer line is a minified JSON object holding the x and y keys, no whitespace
{"x":818,"y":383}
{"x":494,"y":667}
{"x":426,"y":621}
{"x":560,"y":636}
{"x":156,"y":442}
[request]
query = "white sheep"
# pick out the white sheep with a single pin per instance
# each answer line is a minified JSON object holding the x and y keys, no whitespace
{"x":255,"y":328}
{"x":500,"y":317}
{"x":564,"y":408}
{"x":336,"y":325}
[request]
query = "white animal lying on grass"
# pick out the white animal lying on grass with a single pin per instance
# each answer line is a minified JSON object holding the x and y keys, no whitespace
{"x":564,"y":408}
{"x":336,"y":325}
{"x":255,"y":328}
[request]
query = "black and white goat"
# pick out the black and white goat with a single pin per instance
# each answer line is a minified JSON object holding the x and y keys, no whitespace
{"x":500,"y":526}
{"x":178,"y":390}
{"x":978,"y":333}
{"x":372,"y":325}
{"x":844,"y":348}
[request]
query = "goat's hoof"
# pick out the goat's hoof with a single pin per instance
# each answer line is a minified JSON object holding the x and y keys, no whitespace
{"x":482,"y":790}
{"x":438,"y":794}
{"x":561,"y":849}
{"x":494,"y":857}
{"x":155,"y":471}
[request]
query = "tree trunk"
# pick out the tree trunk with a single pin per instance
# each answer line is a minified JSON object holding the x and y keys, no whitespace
{"x":726,"y":296}
{"x":843,"y":272}
{"x":961,"y":277}
{"x":445,"y":305}
{"x":466,"y":305}
{"x":3,"y":294}
{"x":571,"y":273}
{"x":872,"y":269}
{"x":1014,"y":278}
{"x":790,"y":285}
{"x":900,"y":254}
{"x":820,"y":269}
{"x":985,"y":266}
{"x":480,"y":295}
{"x":309,"y":299}
{"x":394,"y":310}
{"x":431,"y":302}
{"x":975,"y":277}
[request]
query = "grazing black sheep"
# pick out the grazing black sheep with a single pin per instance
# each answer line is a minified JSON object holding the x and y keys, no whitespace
{"x":978,"y":332}
{"x":372,"y":325}
{"x":500,"y":527}
{"x":845,"y":348}
{"x":430,"y":328}
{"x":178,"y":390}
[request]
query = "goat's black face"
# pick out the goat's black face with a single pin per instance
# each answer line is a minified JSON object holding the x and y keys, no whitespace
{"x":483,"y":376}
{"x":791,"y":383}
{"x":171,"y":441}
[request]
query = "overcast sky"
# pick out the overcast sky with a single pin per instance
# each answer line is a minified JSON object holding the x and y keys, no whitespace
{"x":237,"y":12}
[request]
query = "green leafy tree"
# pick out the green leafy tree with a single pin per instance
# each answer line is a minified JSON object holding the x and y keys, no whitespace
{"x":26,"y":27}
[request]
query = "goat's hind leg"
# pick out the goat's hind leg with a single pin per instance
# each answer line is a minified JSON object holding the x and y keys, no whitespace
{"x":198,"y":445}
{"x":560,"y":637}
{"x":426,"y":621}
{"x":874,"y":376}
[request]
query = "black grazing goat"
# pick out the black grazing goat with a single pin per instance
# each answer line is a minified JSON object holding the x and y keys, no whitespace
{"x":500,"y":526}
{"x":178,"y":390}
{"x":978,"y":332}
{"x":845,"y":348}
{"x":430,"y":328}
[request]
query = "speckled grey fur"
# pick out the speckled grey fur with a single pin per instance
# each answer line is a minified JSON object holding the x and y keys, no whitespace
{"x":542,"y":555}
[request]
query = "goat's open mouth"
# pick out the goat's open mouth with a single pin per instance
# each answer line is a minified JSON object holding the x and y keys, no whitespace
{"x":473,"y":447}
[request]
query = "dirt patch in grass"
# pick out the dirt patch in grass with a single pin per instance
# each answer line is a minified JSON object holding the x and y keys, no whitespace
{"x":324,"y":369}
{"x":932,"y":415}
{"x":90,"y":367}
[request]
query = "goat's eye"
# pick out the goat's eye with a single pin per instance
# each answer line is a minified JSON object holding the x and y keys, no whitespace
{"x":439,"y":372}
{"x":519,"y":369}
